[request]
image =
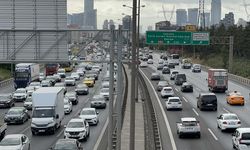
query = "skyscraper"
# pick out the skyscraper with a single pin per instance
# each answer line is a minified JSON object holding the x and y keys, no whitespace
{"x":215,"y":12}
{"x":181,"y":17}
{"x":89,"y":18}
{"x":193,"y":16}
{"x":228,"y":20}
{"x":126,"y":22}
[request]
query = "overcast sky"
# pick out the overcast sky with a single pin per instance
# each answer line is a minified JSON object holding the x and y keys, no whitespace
{"x":112,"y":9}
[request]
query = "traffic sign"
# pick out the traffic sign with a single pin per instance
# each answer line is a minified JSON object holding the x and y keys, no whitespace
{"x":177,"y":38}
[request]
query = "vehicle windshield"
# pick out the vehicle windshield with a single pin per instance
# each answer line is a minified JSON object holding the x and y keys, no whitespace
{"x":189,"y":123}
{"x":15,"y":111}
{"x":65,"y":146}
{"x":167,"y":90}
{"x":209,"y":98}
{"x":75,"y":125}
{"x":5,"y":97}
{"x":61,"y":71}
{"x":174,"y":100}
{"x":10,"y":142}
{"x":175,"y":72}
{"x":35,"y":84}
{"x":20,"y":91}
{"x":81,"y":86}
{"x":21,"y":75}
{"x":69,"y":78}
{"x":245,"y":136}
{"x":105,"y":90}
{"x":43,"y":113}
{"x":88,"y":112}
{"x":70,"y":94}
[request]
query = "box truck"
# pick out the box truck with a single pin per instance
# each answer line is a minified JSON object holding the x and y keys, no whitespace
{"x":217,"y":80}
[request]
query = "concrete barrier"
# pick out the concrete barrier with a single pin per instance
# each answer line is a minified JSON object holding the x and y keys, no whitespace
{"x":6,"y":82}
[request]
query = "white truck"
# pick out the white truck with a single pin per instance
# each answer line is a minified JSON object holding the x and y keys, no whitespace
{"x":188,"y":126}
{"x":3,"y":128}
{"x":48,"y":110}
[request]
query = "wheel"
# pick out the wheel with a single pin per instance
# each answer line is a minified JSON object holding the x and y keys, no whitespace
{"x":243,"y":104}
{"x":33,"y":132}
{"x":199,"y":135}
{"x":218,"y":126}
{"x":180,"y":135}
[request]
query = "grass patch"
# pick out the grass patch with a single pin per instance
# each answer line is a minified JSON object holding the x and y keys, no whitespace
{"x":4,"y":74}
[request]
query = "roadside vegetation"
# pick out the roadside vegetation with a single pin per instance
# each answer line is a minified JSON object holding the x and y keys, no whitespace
{"x":5,"y":72}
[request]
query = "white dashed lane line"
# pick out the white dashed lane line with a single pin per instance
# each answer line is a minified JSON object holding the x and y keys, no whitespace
{"x":185,"y":99}
{"x":195,"y":112}
{"x":226,"y":110}
{"x":213,"y":134}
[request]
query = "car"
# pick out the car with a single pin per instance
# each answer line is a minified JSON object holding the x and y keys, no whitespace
{"x":173,"y":73}
{"x":160,"y":67}
{"x":28,"y":103}
{"x":30,"y":90}
{"x":186,"y":87}
{"x":160,"y":61}
{"x":93,"y":73}
{"x":6,"y":101}
{"x":161,"y":84}
{"x":61,"y":72}
{"x":90,"y":115}
{"x":35,"y":85}
{"x":150,"y":61}
{"x":75,"y":75}
{"x":241,"y":136}
{"x":171,"y":65}
{"x":180,"y":78}
{"x":90,"y":82}
{"x":41,"y":76}
{"x":165,"y":70}
{"x":77,"y":128}
{"x":82,"y":89}
{"x":235,"y":98}
{"x":67,"y":144}
{"x":98,"y":101}
{"x":15,"y":142}
{"x":67,"y":106}
{"x":186,"y":64}
{"x":80,"y":72}
{"x":46,"y":83}
{"x":143,"y":65}
{"x":20,"y":95}
{"x":228,"y":121}
{"x":16,"y":115}
{"x":207,"y":101}
{"x":70,"y":81}
{"x":188,"y":126}
{"x":97,"y":67}
{"x":173,"y":103}
{"x":61,"y":84}
{"x":57,"y":77}
{"x":167,"y":92}
{"x":150,"y":56}
{"x":144,"y":58}
{"x":150,"y":51}
{"x":52,"y":79}
{"x":155,"y":76}
{"x":72,"y":96}
{"x":196,"y":68}
{"x":105,"y":93}
{"x":244,"y":147}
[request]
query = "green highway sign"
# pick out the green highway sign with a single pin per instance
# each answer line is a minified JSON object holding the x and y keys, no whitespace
{"x":177,"y":38}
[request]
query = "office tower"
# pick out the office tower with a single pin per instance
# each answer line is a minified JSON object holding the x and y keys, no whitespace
{"x":215,"y":12}
{"x":193,"y":16}
{"x":181,"y":17}
{"x":228,"y":20}
{"x":126,"y":22}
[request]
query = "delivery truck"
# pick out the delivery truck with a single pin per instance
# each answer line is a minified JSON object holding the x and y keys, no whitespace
{"x":47,"y":110}
{"x":217,"y":80}
{"x":26,"y":73}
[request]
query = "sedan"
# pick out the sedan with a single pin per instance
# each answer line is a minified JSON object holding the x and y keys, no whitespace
{"x":46,"y":83}
{"x":6,"y":101}
{"x":173,"y":103}
{"x":75,"y":75}
{"x":67,"y":144}
{"x":91,"y":115}
{"x":165,"y":70}
{"x":155,"y":76}
{"x":70,"y":81}
{"x":105,"y":93}
{"x":72,"y":96}
{"x":90,"y":82}
{"x":41,"y":76}
{"x":15,"y":142}
{"x":167,"y":92}
{"x":160,"y":67}
{"x":161,"y":84}
{"x":57,"y":77}
{"x":20,"y":94}
{"x":235,"y":98}
{"x":80,"y":72}
{"x":82,"y":89}
{"x":150,"y":61}
{"x":52,"y":79}
{"x":228,"y":121}
{"x":67,"y":106}
{"x":28,"y":103}
{"x":98,"y":101}
{"x":186,"y":87}
{"x":143,"y":65}
{"x":16,"y":115}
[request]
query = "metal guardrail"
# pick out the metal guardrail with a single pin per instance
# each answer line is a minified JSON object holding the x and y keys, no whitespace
{"x":6,"y":82}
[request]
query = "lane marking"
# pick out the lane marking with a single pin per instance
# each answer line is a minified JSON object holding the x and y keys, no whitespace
{"x":185,"y":99}
{"x":176,"y":89}
{"x":198,"y":89}
{"x":25,"y":130}
{"x":226,"y":110}
{"x":195,"y":112}
{"x":59,"y":134}
{"x":163,"y":113}
{"x":101,"y":135}
{"x":211,"y":132}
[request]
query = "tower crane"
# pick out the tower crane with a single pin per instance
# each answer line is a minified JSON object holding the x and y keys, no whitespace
{"x":164,"y":13}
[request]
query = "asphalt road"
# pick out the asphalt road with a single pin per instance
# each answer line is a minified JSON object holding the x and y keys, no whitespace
{"x":211,"y":136}
{"x":44,"y":142}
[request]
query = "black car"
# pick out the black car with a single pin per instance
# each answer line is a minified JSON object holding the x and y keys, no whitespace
{"x":155,"y":76}
{"x":82,"y":89}
{"x":171,"y":65}
{"x":165,"y":70}
{"x":150,"y":57}
{"x":160,"y":67}
{"x":207,"y":101}
{"x":179,"y":79}
{"x":16,"y":115}
{"x":187,"y":87}
{"x":6,"y":101}
{"x":72,"y":96}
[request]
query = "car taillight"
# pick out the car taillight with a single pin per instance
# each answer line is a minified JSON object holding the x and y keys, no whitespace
{"x":179,"y":102}
{"x":239,"y":122}
{"x":224,"y":122}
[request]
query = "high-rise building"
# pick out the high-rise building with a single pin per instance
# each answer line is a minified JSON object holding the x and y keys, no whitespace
{"x":77,"y":19}
{"x":206,"y":21}
{"x":181,"y":17}
{"x":215,"y":12}
{"x":126,"y":22}
{"x":193,"y":16}
{"x":228,"y":20}
{"x":111,"y":24}
{"x":105,"y":25}
{"x":90,"y":15}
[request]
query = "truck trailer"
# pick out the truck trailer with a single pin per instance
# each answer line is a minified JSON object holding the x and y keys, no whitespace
{"x":217,"y":80}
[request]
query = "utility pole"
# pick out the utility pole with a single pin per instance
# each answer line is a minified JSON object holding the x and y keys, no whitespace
{"x":133,"y":76}
{"x":231,"y":53}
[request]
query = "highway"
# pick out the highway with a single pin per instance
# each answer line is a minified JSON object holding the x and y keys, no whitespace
{"x":211,"y":136}
{"x":44,"y":142}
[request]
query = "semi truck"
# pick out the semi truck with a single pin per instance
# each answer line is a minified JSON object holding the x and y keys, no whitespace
{"x":217,"y":80}
{"x":47,"y":110}
{"x":51,"y":69}
{"x":26,"y":73}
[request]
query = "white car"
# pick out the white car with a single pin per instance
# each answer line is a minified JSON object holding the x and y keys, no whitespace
{"x":30,"y":90}
{"x":61,"y":72}
{"x":36,"y":85}
{"x":143,"y":65}
{"x":46,"y":83}
{"x":75,"y":75}
{"x":173,"y":103}
{"x":97,"y":67}
{"x":70,"y":81}
{"x":67,"y":106}
{"x":150,"y":61}
{"x":28,"y":103}
{"x":80,"y":72}
{"x":167,"y":92}
{"x":20,"y":94}
{"x":228,"y":121}
{"x":41,"y":76}
{"x":188,"y":126}
{"x":91,"y":115}
{"x":196,"y":68}
{"x":57,"y":77}
{"x":161,"y":61}
{"x":15,"y":142}
{"x":105,"y":93}
{"x":240,"y":137}
{"x":77,"y":128}
{"x":173,"y":73}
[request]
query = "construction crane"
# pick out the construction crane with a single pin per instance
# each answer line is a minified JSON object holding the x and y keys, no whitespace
{"x":164,"y":13}
{"x":246,"y":10}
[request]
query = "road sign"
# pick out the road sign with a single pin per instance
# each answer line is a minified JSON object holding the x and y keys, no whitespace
{"x":191,"y":28}
{"x":177,"y":38}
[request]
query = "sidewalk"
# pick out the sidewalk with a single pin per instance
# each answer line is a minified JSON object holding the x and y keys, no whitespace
{"x":139,"y":121}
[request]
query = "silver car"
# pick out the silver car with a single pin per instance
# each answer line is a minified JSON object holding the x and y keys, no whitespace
{"x":98,"y":101}
{"x":15,"y":142}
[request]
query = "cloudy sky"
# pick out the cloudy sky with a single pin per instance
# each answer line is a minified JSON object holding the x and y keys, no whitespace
{"x":112,"y":9}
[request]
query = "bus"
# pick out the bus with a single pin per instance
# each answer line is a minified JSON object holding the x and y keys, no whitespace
{"x":175,"y":58}
{"x":67,"y":66}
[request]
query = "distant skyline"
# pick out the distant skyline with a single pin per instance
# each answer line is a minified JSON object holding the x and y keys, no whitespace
{"x":112,"y":9}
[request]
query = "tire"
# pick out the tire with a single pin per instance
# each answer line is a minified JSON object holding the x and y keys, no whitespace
{"x":180,"y":135}
{"x":33,"y":132}
{"x":242,"y":104}
{"x":199,"y":135}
